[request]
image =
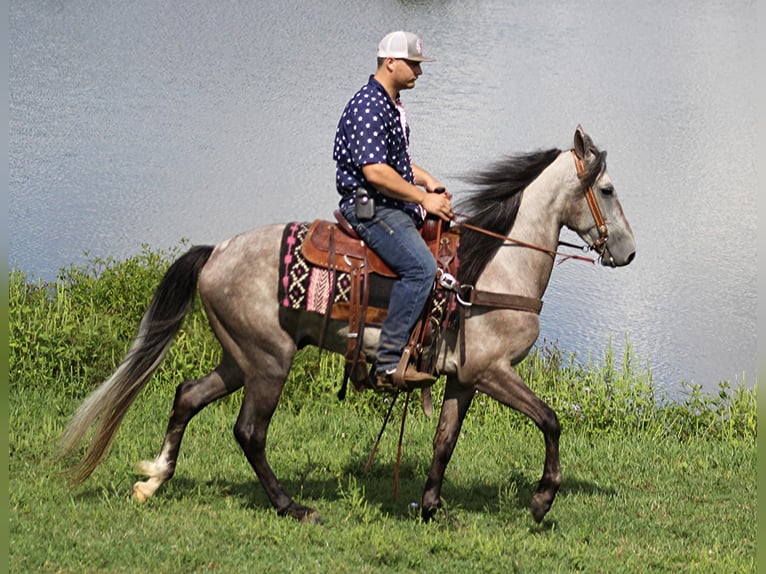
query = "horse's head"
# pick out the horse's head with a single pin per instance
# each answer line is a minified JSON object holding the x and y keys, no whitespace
{"x":597,"y":215}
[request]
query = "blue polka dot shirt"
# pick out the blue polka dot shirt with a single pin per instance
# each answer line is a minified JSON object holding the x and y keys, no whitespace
{"x":372,"y":130}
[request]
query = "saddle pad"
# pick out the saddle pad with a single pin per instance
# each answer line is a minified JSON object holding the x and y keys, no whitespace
{"x":306,"y":287}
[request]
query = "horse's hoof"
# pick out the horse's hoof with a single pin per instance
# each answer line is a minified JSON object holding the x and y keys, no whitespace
{"x":312,"y":517}
{"x":301,"y":514}
{"x":539,"y":507}
{"x":137,"y":493}
{"x":438,"y":512}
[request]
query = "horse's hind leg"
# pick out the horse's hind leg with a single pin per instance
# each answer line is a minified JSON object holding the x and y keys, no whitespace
{"x":262,"y":391}
{"x":191,"y":397}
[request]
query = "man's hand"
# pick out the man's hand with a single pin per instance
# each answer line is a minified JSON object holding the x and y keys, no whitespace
{"x":439,"y":204}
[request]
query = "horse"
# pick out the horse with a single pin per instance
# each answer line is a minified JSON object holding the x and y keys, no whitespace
{"x":532,"y":196}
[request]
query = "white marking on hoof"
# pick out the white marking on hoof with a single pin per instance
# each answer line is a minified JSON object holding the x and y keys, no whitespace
{"x":143,"y":490}
{"x":138,"y":493}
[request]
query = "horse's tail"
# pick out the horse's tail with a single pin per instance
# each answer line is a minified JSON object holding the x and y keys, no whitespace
{"x":107,"y":405}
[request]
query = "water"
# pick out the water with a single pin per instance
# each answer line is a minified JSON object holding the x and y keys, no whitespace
{"x":137,"y":123}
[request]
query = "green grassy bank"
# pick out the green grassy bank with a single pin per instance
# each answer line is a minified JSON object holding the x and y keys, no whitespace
{"x":650,"y":485}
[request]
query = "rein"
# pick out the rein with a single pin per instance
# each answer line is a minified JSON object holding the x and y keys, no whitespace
{"x":552,"y":252}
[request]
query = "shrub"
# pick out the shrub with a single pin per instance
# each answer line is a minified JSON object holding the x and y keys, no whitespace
{"x":73,"y":333}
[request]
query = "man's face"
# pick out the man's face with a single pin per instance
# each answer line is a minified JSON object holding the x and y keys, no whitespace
{"x":405,"y":73}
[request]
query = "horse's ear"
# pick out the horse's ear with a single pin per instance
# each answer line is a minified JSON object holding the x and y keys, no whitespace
{"x":582,"y":142}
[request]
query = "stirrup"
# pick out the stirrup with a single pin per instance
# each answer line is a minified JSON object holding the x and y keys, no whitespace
{"x":407,"y":377}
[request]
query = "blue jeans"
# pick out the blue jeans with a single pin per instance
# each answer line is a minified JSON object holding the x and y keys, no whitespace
{"x":393,"y":236}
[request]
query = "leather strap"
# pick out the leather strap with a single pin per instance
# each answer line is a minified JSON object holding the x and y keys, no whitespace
{"x":590,"y":198}
{"x":505,"y":301}
{"x":331,"y":270}
{"x":356,"y":362}
{"x":496,"y":301}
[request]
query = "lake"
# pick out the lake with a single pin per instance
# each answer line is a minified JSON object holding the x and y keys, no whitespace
{"x":147,"y":123}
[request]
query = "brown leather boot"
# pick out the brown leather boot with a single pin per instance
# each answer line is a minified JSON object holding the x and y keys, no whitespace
{"x":413,"y":379}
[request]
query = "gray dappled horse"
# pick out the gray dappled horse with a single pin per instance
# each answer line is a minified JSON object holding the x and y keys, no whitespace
{"x":529,"y":196}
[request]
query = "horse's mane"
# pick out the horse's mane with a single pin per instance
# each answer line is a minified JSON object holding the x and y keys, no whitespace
{"x":493,"y":206}
{"x":494,"y":203}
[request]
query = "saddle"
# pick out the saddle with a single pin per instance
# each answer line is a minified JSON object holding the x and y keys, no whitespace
{"x":336,"y":247}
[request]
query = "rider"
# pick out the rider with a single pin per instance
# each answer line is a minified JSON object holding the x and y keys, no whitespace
{"x":380,"y":197}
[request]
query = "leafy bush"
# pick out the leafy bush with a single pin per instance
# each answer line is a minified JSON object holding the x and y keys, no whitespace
{"x":74,"y":332}
{"x":603,"y":397}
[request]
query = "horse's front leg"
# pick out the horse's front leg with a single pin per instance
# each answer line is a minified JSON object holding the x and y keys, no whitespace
{"x":457,"y":399}
{"x":191,"y":397}
{"x":504,"y":385}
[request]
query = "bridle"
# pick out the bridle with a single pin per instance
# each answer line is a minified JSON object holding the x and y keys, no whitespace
{"x":599,"y":245}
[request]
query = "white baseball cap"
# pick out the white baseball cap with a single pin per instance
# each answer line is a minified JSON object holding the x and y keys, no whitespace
{"x":403,"y":45}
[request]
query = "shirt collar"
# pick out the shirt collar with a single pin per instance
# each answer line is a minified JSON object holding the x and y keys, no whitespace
{"x":379,"y":87}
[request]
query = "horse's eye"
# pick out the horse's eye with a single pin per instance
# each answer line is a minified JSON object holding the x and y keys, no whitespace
{"x":607,"y":190}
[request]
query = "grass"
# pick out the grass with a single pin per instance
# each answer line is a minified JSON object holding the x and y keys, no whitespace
{"x":627,"y":504}
{"x":650,"y":485}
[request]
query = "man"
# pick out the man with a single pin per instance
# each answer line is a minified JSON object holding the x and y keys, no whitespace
{"x":380,"y":194}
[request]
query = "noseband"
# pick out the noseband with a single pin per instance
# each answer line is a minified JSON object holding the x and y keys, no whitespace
{"x":600,"y":244}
